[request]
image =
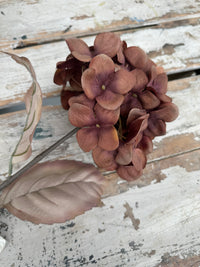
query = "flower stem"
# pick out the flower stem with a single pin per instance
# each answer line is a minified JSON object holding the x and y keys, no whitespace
{"x":39,"y":157}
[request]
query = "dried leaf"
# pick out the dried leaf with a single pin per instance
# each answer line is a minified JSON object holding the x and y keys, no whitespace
{"x":33,"y":101}
{"x":53,"y":192}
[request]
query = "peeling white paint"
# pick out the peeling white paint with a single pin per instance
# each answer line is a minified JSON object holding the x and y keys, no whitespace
{"x":168,"y":211}
{"x":19,"y":18}
{"x":18,"y":79}
{"x":54,"y":124}
{"x":2,"y":244}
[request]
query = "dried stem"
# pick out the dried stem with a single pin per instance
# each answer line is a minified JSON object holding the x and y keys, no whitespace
{"x":39,"y":157}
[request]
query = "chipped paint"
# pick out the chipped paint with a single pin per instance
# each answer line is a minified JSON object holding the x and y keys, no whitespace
{"x":129,"y":214}
{"x":151,"y":40}
{"x":169,"y":223}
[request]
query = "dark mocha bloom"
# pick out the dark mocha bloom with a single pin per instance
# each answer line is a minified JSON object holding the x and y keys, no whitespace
{"x":116,"y":95}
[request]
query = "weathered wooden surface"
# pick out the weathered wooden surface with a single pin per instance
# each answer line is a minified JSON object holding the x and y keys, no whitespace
{"x":31,"y":21}
{"x":175,"y":48}
{"x":151,"y":222}
{"x":143,"y":227}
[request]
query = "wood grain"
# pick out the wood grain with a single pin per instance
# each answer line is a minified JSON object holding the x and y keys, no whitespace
{"x":33,"y":22}
{"x":168,"y":217}
{"x":180,"y":53}
{"x":183,"y":135}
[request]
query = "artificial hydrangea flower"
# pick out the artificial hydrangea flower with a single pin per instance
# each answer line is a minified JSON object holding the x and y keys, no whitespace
{"x":117,"y":97}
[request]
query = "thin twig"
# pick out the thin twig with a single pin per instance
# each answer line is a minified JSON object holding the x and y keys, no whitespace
{"x":13,"y":177}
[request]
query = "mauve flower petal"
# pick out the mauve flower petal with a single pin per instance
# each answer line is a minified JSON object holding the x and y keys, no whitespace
{"x":83,"y":100}
{"x":146,"y":144}
{"x":136,"y":128}
{"x":105,"y":116}
{"x":120,"y":54}
{"x":138,"y":159}
{"x":79,"y":49}
{"x":130,"y":101}
{"x":65,"y":96}
{"x":140,"y":80}
{"x":107,"y":43}
{"x":166,"y":112}
{"x":164,"y":98}
{"x":123,"y":82}
{"x":80,"y":115}
{"x":149,"y":100}
{"x":110,"y":100}
{"x":136,"y":57}
{"x":128,"y":173}
{"x":160,"y":83}
{"x":104,"y":159}
{"x":149,"y":66}
{"x":108,"y":138}
{"x":87,"y":138}
{"x":124,"y":155}
{"x":103,"y":66}
{"x":61,"y":77}
{"x":134,"y":114}
{"x":90,"y":84}
{"x":75,"y":85}
{"x":155,"y":128}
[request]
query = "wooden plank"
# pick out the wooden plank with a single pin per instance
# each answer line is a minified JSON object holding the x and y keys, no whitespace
{"x":183,"y":135}
{"x":175,"y":49}
{"x":31,"y":21}
{"x":167,"y":232}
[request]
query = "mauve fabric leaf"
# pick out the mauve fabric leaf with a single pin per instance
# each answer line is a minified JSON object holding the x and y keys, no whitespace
{"x":136,"y":57}
{"x":88,"y":138}
{"x":166,"y":112}
{"x":128,"y":173}
{"x":54,"y":192}
{"x":80,"y":115}
{"x":105,"y":116}
{"x":123,"y":82}
{"x":140,"y":80}
{"x":33,"y":102}
{"x":146,"y":144}
{"x":107,"y":43}
{"x":124,"y":155}
{"x":110,"y":100}
{"x":138,"y":159}
{"x":79,"y":49}
{"x":108,"y":138}
{"x":104,"y":159}
{"x":160,"y":83}
{"x":149,"y":100}
{"x":90,"y":84}
{"x":103,"y":66}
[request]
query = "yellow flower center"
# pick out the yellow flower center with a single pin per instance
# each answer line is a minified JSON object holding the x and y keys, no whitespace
{"x":97,"y":125}
{"x":103,"y":87}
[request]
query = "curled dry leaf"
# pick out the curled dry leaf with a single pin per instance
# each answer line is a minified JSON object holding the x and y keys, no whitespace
{"x":53,"y":192}
{"x":33,"y":101}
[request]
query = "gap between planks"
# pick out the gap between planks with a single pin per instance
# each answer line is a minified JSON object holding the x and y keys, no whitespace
{"x":119,"y":29}
{"x":168,"y":48}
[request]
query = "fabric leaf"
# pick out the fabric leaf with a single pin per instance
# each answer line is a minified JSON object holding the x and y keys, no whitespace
{"x":53,"y":192}
{"x":33,"y":101}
